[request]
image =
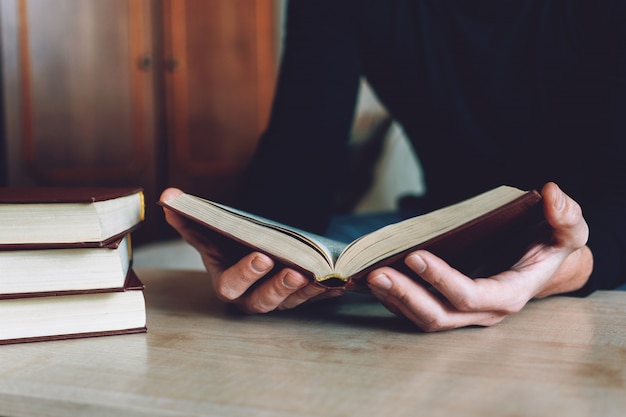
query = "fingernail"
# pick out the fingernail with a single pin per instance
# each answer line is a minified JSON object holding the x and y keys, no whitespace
{"x":293,"y":281}
{"x":381,"y":282}
{"x":559,"y":203}
{"x":416,"y":263}
{"x":260,"y":264}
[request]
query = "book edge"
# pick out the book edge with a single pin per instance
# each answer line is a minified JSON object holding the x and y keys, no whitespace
{"x":72,"y":336}
{"x":110,"y":243}
{"x":131,"y":283}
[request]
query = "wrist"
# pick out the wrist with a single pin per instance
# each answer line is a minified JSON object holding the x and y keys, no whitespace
{"x":572,"y":275}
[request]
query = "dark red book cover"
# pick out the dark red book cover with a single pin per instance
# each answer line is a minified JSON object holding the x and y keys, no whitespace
{"x":34,"y":195}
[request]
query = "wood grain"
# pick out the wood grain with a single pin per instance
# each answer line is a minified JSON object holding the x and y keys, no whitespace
{"x":559,"y":356}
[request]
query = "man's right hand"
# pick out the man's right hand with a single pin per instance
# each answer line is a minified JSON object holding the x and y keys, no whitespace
{"x":234,"y":283}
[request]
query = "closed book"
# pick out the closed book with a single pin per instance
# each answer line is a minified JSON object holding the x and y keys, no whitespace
{"x":56,"y":271}
{"x":44,"y":217}
{"x":74,"y":315}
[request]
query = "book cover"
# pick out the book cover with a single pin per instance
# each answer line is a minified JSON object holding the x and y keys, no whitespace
{"x":61,"y":195}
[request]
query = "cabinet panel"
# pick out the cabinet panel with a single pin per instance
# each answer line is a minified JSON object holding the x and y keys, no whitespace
{"x":82,"y":96}
{"x":219,"y":83}
{"x":78,"y":98}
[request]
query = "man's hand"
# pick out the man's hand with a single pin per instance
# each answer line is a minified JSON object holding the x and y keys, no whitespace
{"x":251,"y":282}
{"x":562,"y":265}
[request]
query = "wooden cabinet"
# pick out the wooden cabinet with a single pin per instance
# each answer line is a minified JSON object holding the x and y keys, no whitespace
{"x":148,"y":92}
{"x":219,"y":85}
{"x":78,"y":108}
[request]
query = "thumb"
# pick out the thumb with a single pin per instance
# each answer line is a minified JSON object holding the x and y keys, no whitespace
{"x":565,"y":217}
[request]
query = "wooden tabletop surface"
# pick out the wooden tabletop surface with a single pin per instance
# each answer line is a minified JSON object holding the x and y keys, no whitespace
{"x":558,"y":357}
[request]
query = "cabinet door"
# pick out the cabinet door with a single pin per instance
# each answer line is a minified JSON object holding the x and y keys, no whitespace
{"x":220,"y":74}
{"x":78,"y":92}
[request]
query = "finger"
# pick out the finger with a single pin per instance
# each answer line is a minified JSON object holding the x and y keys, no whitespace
{"x":504,"y":294}
{"x":178,"y":222}
{"x":172,"y":218}
{"x":187,"y":230}
{"x":170,"y":193}
{"x":233,"y":282}
{"x":565,"y":216}
{"x":399,"y":293}
{"x":185,"y":227}
{"x":272,"y":292}
{"x":304,"y":294}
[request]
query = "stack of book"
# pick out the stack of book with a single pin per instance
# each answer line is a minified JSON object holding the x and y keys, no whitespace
{"x":66,"y":263}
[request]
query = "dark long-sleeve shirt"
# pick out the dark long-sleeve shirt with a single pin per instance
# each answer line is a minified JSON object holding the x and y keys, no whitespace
{"x":489,"y":92}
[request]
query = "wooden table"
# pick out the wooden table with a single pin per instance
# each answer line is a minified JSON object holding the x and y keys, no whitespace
{"x":558,"y":357}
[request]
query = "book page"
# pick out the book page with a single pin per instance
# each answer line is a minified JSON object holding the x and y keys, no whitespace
{"x":296,"y":248}
{"x":398,"y":237}
{"x":331,"y":248}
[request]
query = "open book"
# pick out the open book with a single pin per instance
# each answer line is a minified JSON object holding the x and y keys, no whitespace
{"x":482,"y":235}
